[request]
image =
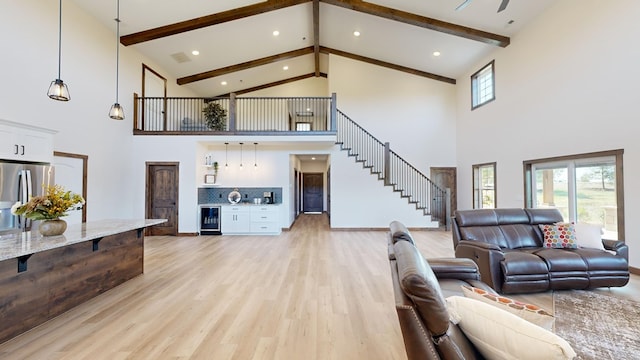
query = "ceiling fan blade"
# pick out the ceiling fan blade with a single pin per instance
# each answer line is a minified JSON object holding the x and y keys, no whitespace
{"x":503,"y":5}
{"x":463,"y":5}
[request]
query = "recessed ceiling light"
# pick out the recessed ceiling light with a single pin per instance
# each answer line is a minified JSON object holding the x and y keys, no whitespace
{"x":195,"y":52}
{"x":285,"y":68}
{"x":356,"y":33}
{"x":276,"y":32}
{"x":436,"y":53}
{"x":223,"y":83}
{"x":313,"y":158}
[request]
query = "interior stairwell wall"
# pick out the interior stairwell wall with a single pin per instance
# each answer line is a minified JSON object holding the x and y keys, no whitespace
{"x":416,"y":115}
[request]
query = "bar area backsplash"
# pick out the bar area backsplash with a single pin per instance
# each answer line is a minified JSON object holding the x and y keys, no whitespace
{"x":218,"y":195}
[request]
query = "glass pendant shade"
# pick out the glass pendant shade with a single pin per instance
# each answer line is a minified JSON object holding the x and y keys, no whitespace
{"x":116,"y":112}
{"x":58,"y":90}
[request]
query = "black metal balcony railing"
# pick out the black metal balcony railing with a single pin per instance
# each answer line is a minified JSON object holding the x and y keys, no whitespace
{"x":295,"y":116}
{"x":153,"y":115}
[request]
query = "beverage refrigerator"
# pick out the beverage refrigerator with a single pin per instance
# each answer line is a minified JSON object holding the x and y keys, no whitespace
{"x":18,"y":183}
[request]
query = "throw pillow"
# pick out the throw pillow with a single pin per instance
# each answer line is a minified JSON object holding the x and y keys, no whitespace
{"x":529,"y":312}
{"x":498,"y":334}
{"x":589,"y":235}
{"x":559,"y":236}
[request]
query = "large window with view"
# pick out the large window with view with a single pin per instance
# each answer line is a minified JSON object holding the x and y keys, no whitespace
{"x":585,"y":188}
{"x":484,"y":186}
{"x":482,"y":86}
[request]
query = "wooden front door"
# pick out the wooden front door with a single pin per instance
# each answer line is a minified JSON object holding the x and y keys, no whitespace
{"x":162,"y":197}
{"x":446,"y":177}
{"x":312,"y":192}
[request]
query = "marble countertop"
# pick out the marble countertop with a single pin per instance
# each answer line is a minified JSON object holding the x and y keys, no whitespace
{"x":31,"y":242}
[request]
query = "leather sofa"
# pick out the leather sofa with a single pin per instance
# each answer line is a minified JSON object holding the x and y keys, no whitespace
{"x":420,"y":287}
{"x":507,"y":245}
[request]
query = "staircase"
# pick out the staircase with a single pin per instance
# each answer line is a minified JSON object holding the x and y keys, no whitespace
{"x":393,"y":170}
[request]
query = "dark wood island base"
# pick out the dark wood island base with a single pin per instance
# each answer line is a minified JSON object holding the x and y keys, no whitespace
{"x":39,"y":284}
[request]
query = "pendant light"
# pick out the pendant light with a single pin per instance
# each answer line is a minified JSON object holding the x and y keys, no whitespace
{"x":117,"y":112}
{"x":241,"y":155}
{"x":58,"y":89}
{"x":226,"y":155}
{"x":255,"y":155}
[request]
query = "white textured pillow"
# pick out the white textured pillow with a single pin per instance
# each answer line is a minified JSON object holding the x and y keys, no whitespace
{"x":532,"y":313}
{"x":498,"y":334}
{"x":589,"y":235}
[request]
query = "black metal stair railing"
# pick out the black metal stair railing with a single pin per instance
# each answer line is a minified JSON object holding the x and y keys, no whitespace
{"x":388,"y":166}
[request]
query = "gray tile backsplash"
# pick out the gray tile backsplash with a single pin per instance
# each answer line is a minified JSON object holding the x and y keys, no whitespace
{"x":218,"y":195}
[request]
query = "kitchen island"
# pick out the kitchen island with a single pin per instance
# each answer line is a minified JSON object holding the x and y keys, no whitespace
{"x":42,"y":277}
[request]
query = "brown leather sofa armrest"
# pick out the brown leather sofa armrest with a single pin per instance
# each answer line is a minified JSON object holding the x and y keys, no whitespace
{"x":618,"y":246}
{"x":488,"y":258}
{"x":454,"y":268}
{"x":479,"y":244}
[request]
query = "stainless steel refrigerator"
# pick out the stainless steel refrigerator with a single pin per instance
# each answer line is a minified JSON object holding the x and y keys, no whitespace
{"x":19,"y":182}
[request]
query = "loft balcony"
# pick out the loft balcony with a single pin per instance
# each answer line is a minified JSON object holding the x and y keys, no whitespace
{"x":263,"y":116}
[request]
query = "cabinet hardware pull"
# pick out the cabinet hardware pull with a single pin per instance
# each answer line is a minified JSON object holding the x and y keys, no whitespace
{"x":22,"y":147}
{"x":16,"y":152}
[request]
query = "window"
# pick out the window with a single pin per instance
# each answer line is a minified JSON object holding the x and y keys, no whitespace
{"x":484,"y":186}
{"x":585,"y":188}
{"x":303,"y":126}
{"x":482,"y":86}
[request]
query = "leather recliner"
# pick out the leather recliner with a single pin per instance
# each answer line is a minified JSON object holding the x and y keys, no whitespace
{"x":507,"y":245}
{"x":420,"y":287}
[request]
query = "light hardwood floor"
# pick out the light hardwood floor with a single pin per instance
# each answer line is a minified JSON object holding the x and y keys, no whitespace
{"x":310,"y":293}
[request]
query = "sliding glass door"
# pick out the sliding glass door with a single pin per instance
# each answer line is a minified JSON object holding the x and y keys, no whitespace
{"x":584,"y":189}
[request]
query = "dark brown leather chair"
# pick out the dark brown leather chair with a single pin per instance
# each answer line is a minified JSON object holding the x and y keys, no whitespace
{"x":420,"y":299}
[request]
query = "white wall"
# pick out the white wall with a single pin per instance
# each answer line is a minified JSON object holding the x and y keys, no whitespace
{"x":415,"y":115}
{"x":562,"y":87}
{"x":360,"y":200}
{"x":29,"y":62}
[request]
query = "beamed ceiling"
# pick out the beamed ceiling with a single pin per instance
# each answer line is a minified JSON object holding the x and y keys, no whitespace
{"x":237,"y":46}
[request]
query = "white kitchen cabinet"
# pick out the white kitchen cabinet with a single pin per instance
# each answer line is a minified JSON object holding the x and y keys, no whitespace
{"x":25,"y":143}
{"x":236,"y":219}
{"x":250,"y":219}
{"x":264,"y":219}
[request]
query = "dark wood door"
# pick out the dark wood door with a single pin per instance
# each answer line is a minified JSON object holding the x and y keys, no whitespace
{"x":296,"y":191}
{"x":162,"y":197}
{"x":312,"y":192}
{"x":446,"y":177}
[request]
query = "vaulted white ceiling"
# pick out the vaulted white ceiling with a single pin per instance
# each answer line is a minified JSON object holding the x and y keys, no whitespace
{"x":247,"y":39}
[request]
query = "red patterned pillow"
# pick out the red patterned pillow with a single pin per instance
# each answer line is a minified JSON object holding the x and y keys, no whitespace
{"x":559,"y":236}
{"x":532,"y":313}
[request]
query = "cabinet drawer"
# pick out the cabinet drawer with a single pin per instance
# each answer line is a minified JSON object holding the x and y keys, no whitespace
{"x":265,"y":227}
{"x":264,"y":217}
{"x":264,"y":210}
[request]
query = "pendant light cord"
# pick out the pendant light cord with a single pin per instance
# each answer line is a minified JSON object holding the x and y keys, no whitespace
{"x":59,"y":37}
{"x":117,"y":46}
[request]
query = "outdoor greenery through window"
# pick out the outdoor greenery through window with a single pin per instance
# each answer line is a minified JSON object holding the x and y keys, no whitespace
{"x":585,"y":188}
{"x":484,"y":186}
{"x":482,"y":86}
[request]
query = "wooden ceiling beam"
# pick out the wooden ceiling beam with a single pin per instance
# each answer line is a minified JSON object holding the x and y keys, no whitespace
{"x":422,"y":21}
{"x":245,"y":65}
{"x":208,"y":20}
{"x":316,"y":35}
{"x":275,"y":83}
{"x":326,"y":50}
